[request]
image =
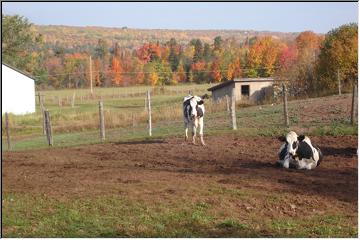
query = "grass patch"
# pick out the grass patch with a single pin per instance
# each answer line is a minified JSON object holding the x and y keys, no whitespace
{"x":37,"y":215}
{"x":232,"y":224}
{"x":317,"y":226}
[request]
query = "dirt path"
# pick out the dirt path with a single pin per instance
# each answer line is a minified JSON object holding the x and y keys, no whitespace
{"x":168,"y":170}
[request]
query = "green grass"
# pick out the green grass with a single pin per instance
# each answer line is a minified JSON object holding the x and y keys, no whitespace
{"x":126,"y":119}
{"x":334,"y":226}
{"x":35,"y":215}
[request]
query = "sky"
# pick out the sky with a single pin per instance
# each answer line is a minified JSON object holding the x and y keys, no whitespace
{"x":277,"y":16}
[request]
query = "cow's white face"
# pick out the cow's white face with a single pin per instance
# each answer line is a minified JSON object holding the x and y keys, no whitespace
{"x":193,"y":105}
{"x":291,"y":142}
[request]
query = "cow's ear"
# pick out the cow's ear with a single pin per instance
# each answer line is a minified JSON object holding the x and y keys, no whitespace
{"x":301,"y":138}
{"x":205,"y":96}
{"x":282,"y":139}
{"x":200,"y":102}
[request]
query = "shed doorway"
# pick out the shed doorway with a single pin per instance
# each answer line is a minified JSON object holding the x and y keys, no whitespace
{"x":245,"y":91}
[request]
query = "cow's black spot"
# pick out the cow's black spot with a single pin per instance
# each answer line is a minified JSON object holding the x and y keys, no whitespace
{"x":187,"y":109}
{"x":200,"y":102}
{"x":304,"y":151}
{"x":283,"y":153}
{"x":199,"y":111}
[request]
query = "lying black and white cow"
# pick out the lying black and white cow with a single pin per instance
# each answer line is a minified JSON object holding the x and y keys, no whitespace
{"x":298,"y":152}
{"x":194,"y":111}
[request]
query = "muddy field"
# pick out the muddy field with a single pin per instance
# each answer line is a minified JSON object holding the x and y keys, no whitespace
{"x":169,"y":170}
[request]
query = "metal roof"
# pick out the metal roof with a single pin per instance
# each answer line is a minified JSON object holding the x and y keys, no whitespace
{"x":19,"y":71}
{"x":241,"y":80}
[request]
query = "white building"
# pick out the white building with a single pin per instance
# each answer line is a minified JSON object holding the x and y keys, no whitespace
{"x":18,"y":91}
{"x":253,"y":89}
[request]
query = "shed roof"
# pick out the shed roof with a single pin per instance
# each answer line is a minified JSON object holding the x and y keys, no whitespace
{"x":242,"y":80}
{"x":19,"y":71}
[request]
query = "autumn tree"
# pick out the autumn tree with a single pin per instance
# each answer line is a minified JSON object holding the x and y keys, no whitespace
{"x":263,"y":56}
{"x":339,"y":52}
{"x":116,"y":71}
{"x":181,"y":72}
{"x":215,"y":71}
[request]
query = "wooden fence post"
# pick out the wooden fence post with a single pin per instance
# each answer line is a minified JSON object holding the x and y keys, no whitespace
{"x":39,"y":99}
{"x":133,"y":122}
{"x":41,"y":102}
{"x":352,"y":119}
{"x":43,"y":122}
{"x":48,"y":128}
{"x":102,"y":121}
{"x":227,"y":103}
{"x":339,"y":82}
{"x":42,"y":108}
{"x":90,"y":73}
{"x":149,"y":112}
{"x":73,"y":100}
{"x":286,"y":115}
{"x":233,"y":106}
{"x":7,"y":130}
{"x":145,"y":100}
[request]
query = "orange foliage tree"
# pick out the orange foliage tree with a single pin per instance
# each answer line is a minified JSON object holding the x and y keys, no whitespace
{"x":116,"y":71}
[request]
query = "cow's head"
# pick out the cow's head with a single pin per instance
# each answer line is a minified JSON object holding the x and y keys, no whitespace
{"x":292,"y":142}
{"x":194,"y":102}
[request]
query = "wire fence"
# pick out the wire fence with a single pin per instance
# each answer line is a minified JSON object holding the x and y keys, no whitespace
{"x":127,"y":118}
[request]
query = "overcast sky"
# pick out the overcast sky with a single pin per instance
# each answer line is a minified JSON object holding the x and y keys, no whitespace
{"x":284,"y":17}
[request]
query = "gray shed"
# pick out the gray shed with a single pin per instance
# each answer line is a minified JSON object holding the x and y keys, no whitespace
{"x":248,"y":89}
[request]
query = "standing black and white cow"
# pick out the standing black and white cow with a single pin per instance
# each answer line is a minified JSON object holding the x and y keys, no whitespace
{"x":194,"y":111}
{"x":298,"y":152}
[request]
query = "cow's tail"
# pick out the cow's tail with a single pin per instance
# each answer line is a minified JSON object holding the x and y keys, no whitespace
{"x":321,"y":156}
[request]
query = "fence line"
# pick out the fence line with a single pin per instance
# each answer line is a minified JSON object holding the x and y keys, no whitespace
{"x":150,"y":121}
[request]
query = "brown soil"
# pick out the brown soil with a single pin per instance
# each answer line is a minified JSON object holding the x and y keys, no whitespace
{"x":169,"y":170}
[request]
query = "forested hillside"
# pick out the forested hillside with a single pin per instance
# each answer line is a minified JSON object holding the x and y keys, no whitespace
{"x":59,"y":56}
{"x":82,"y":37}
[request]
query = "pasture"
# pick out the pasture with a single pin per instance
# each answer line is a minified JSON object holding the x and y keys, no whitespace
{"x":133,"y":185}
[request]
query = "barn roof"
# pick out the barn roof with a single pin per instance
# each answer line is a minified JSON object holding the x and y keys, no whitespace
{"x":19,"y":71}
{"x":241,"y":80}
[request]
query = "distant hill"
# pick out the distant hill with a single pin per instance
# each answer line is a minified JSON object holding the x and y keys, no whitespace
{"x":84,"y":37}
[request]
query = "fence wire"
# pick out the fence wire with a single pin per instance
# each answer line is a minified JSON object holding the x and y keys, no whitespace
{"x":80,"y":125}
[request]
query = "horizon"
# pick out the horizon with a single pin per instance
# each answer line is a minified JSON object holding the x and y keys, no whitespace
{"x":165,"y":29}
{"x":187,"y":16}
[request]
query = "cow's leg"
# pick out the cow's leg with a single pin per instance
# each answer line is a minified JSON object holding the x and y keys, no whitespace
{"x":194,"y":125}
{"x":186,"y":131}
{"x":287,"y":161}
{"x":201,"y":125}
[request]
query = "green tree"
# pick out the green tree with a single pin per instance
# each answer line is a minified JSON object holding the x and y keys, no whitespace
{"x":17,"y":40}
{"x":198,"y":54}
{"x":339,"y":52}
{"x":218,"y":43}
{"x":173,"y":56}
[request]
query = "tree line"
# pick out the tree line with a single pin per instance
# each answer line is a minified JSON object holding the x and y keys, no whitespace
{"x":311,"y":62}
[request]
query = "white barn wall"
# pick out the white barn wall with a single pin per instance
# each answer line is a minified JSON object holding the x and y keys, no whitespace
{"x":17,"y":93}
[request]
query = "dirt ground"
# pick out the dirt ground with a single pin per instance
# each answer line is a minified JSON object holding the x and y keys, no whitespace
{"x":169,"y":170}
